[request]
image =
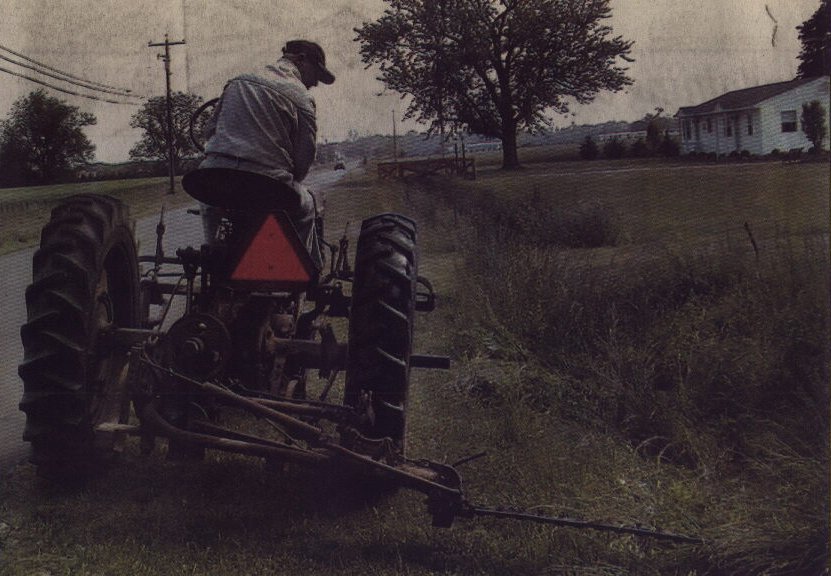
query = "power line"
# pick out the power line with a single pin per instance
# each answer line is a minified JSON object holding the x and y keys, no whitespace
{"x":81,"y":84}
{"x":62,"y":73}
{"x":65,"y":91}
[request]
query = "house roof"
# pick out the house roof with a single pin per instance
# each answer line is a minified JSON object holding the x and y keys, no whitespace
{"x":744,"y":98}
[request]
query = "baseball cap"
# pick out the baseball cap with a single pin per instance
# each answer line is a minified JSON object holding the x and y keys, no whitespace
{"x":313,"y":51}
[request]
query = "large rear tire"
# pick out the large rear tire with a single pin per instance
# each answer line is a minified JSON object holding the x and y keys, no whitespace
{"x":85,"y":282}
{"x":381,"y":324}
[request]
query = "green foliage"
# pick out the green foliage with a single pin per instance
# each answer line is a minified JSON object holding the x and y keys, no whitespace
{"x":653,"y":134}
{"x":640,"y":149}
{"x":813,"y":123}
{"x":494,"y":68}
{"x":589,"y":149}
{"x":702,"y":354}
{"x":815,"y":36}
{"x":708,"y":341}
{"x":669,"y":147}
{"x":152,"y":119}
{"x":532,"y":222}
{"x":614,"y":149}
{"x":42,"y":139}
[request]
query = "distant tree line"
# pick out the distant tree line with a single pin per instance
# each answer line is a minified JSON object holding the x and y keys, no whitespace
{"x":655,"y":142}
{"x":42,"y":140}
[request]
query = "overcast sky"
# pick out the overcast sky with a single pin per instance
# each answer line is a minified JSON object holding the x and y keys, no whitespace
{"x":686,"y":51}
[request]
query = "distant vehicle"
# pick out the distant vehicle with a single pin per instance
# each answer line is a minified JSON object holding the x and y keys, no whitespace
{"x":340,"y":165}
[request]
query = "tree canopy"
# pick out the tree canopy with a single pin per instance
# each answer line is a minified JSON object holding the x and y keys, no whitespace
{"x":42,"y":138}
{"x":495,"y":67}
{"x":152,"y":119}
{"x":815,"y":35}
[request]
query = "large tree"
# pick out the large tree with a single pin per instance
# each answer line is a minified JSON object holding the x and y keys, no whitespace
{"x":815,"y":35}
{"x":494,"y":67}
{"x":42,"y":139}
{"x":152,"y":119}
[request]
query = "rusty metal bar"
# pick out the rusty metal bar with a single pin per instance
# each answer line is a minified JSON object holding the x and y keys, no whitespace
{"x":327,"y":412}
{"x":164,"y":428}
{"x":409,"y":474}
{"x":297,"y":427}
{"x":574,"y":523}
{"x":202,"y":427}
{"x":408,"y":479}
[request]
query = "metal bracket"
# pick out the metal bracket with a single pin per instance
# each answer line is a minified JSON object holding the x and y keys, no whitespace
{"x":425,"y":301}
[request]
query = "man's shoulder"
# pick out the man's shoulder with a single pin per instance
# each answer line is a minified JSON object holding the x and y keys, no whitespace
{"x":254,"y":78}
{"x":285,"y":86}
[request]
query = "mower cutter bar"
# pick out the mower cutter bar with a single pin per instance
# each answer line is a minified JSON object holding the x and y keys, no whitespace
{"x":471,"y":511}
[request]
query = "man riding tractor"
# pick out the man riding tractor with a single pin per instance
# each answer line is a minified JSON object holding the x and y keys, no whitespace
{"x":264,"y":125}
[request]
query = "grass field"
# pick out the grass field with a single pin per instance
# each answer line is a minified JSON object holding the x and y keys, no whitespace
{"x":621,"y":352}
{"x":24,"y":211}
{"x":684,"y":308}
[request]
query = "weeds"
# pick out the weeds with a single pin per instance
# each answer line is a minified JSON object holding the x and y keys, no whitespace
{"x":710,"y":353}
{"x":712,"y":338}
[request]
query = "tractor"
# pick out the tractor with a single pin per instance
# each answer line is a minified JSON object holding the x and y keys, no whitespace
{"x":254,"y":329}
{"x":234,"y":346}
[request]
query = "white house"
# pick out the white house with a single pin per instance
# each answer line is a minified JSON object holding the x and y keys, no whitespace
{"x":758,"y":119}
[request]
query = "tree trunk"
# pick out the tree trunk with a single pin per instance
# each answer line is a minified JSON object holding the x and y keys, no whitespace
{"x":510,"y":159}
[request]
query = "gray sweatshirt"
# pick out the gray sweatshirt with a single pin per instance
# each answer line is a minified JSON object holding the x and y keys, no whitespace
{"x":265,"y":124}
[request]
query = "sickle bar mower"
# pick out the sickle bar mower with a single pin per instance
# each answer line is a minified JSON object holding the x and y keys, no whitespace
{"x":215,"y":345}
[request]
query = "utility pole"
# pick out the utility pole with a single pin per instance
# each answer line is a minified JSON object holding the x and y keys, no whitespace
{"x":171,"y":167}
{"x":394,"y":139}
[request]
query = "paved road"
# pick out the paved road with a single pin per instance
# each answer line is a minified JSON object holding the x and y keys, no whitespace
{"x":182,"y":229}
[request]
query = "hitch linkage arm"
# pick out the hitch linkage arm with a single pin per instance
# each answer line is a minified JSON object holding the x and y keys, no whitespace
{"x":440,"y":482}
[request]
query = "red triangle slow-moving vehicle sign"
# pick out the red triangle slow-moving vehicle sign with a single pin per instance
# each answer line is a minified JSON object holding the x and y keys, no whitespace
{"x":272,"y":258}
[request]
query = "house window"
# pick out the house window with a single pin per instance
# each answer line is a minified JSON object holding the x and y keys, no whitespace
{"x":750,"y":125}
{"x":709,"y":125}
{"x":687,"y":130}
{"x":697,"y":130}
{"x":728,"y":126}
{"x":788,"y":120}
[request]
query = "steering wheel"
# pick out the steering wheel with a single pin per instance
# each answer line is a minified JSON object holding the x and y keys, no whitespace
{"x":196,"y":122}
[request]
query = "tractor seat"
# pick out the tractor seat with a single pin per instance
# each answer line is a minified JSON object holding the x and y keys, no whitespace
{"x":239,"y":190}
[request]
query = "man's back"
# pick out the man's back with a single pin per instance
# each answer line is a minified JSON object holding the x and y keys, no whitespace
{"x":265,"y":124}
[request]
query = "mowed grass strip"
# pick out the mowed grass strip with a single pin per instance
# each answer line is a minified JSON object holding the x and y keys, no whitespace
{"x":24,"y":211}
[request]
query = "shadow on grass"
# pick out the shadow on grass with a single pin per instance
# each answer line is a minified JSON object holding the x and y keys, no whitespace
{"x":229,"y":510}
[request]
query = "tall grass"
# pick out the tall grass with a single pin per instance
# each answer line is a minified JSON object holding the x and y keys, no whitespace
{"x":709,"y":355}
